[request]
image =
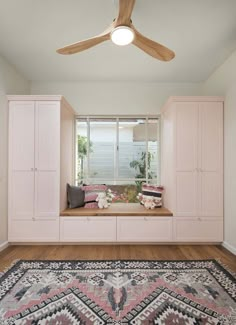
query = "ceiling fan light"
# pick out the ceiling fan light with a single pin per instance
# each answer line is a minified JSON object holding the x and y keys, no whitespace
{"x":122,"y":35}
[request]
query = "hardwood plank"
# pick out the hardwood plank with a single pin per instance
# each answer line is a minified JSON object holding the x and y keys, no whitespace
{"x":102,"y":252}
{"x":117,"y":209}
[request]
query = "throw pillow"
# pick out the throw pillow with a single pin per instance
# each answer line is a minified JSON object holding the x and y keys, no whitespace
{"x":91,"y":192}
{"x":75,"y":196}
{"x":91,"y":205}
{"x":154,"y":192}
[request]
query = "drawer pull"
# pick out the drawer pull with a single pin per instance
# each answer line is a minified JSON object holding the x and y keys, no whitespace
{"x":145,"y":218}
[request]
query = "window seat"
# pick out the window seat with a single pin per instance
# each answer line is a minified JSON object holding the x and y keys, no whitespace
{"x":117,"y":209}
{"x":121,"y":222}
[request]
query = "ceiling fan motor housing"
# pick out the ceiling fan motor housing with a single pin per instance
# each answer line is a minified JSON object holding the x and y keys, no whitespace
{"x":122,"y":35}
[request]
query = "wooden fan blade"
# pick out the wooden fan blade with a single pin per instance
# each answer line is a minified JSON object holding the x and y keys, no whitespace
{"x":125,"y":12}
{"x":152,"y":48}
{"x":86,"y":44}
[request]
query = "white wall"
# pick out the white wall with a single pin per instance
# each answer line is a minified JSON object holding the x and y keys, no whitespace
{"x":115,"y":98}
{"x":223,"y":82}
{"x":11,"y":82}
{"x":222,"y":79}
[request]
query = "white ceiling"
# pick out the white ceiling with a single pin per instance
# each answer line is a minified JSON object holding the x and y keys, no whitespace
{"x":201,"y":32}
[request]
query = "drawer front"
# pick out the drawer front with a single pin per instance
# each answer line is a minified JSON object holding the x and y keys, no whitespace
{"x":88,"y":229}
{"x":34,"y":230}
{"x":144,"y":229}
{"x":198,"y":229}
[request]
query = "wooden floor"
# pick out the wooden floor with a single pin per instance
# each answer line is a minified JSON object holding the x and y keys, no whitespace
{"x":102,"y":252}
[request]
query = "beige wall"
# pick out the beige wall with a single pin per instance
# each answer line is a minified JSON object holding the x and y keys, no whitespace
{"x":115,"y":98}
{"x":223,"y":82}
{"x":120,"y":98}
{"x":11,"y":82}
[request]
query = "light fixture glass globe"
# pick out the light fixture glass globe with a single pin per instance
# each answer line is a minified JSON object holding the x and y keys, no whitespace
{"x":122,"y":35}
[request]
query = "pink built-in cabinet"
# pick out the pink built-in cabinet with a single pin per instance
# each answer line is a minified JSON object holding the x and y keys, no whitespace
{"x":38,"y":127}
{"x":41,"y":160}
{"x":192,"y":167}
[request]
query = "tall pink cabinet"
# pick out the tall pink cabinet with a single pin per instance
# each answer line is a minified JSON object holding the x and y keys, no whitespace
{"x":40,"y":145}
{"x":192,"y":167}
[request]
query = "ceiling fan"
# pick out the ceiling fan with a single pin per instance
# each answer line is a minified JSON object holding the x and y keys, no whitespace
{"x":122,"y":32}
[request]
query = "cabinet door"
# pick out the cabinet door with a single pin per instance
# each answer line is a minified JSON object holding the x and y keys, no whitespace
{"x":21,"y":135}
{"x":211,"y":159}
{"x":87,"y":229}
{"x":186,"y":193}
{"x":144,"y":229}
{"x":188,"y":229}
{"x":47,"y":159}
{"x":21,"y":160}
{"x":21,"y":195}
{"x":186,"y":158}
{"x":186,"y":136}
{"x":34,"y":231}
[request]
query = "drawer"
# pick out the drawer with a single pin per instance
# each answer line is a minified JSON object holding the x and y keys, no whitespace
{"x":144,"y":229}
{"x":194,"y":229}
{"x":45,"y":230}
{"x":88,"y":229}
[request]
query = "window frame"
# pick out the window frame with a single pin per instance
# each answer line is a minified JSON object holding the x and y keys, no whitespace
{"x":116,"y":179}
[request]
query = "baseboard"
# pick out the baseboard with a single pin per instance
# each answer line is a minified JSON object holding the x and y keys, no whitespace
{"x":230,"y":248}
{"x":4,"y":245}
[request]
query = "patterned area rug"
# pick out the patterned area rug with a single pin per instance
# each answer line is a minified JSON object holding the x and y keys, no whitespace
{"x":118,"y":292}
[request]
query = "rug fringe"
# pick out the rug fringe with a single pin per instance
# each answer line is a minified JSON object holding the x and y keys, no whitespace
{"x":226,"y":267}
{"x":7,"y":268}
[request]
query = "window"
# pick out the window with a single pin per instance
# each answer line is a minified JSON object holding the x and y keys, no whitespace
{"x":121,"y":152}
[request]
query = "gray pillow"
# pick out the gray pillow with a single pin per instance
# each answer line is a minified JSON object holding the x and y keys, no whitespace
{"x":75,"y":196}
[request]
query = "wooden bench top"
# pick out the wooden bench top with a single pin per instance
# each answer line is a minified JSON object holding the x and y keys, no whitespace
{"x":118,"y":209}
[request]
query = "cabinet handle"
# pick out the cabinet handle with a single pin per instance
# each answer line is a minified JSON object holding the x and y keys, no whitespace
{"x":145,"y":218}
{"x":199,"y":219}
{"x":36,"y":169}
{"x":33,"y":218}
{"x":88,"y":219}
{"x":32,"y":169}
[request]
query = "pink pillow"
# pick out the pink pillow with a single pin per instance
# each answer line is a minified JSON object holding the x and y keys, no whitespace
{"x":153,"y":192}
{"x":94,"y":188}
{"x":91,"y":205}
{"x":91,"y":194}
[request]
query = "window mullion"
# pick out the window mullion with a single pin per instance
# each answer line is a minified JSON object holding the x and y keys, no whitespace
{"x":146,"y":139}
{"x":116,"y":158}
{"x":76,"y":155}
{"x":158,"y":150}
{"x":88,"y":151}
